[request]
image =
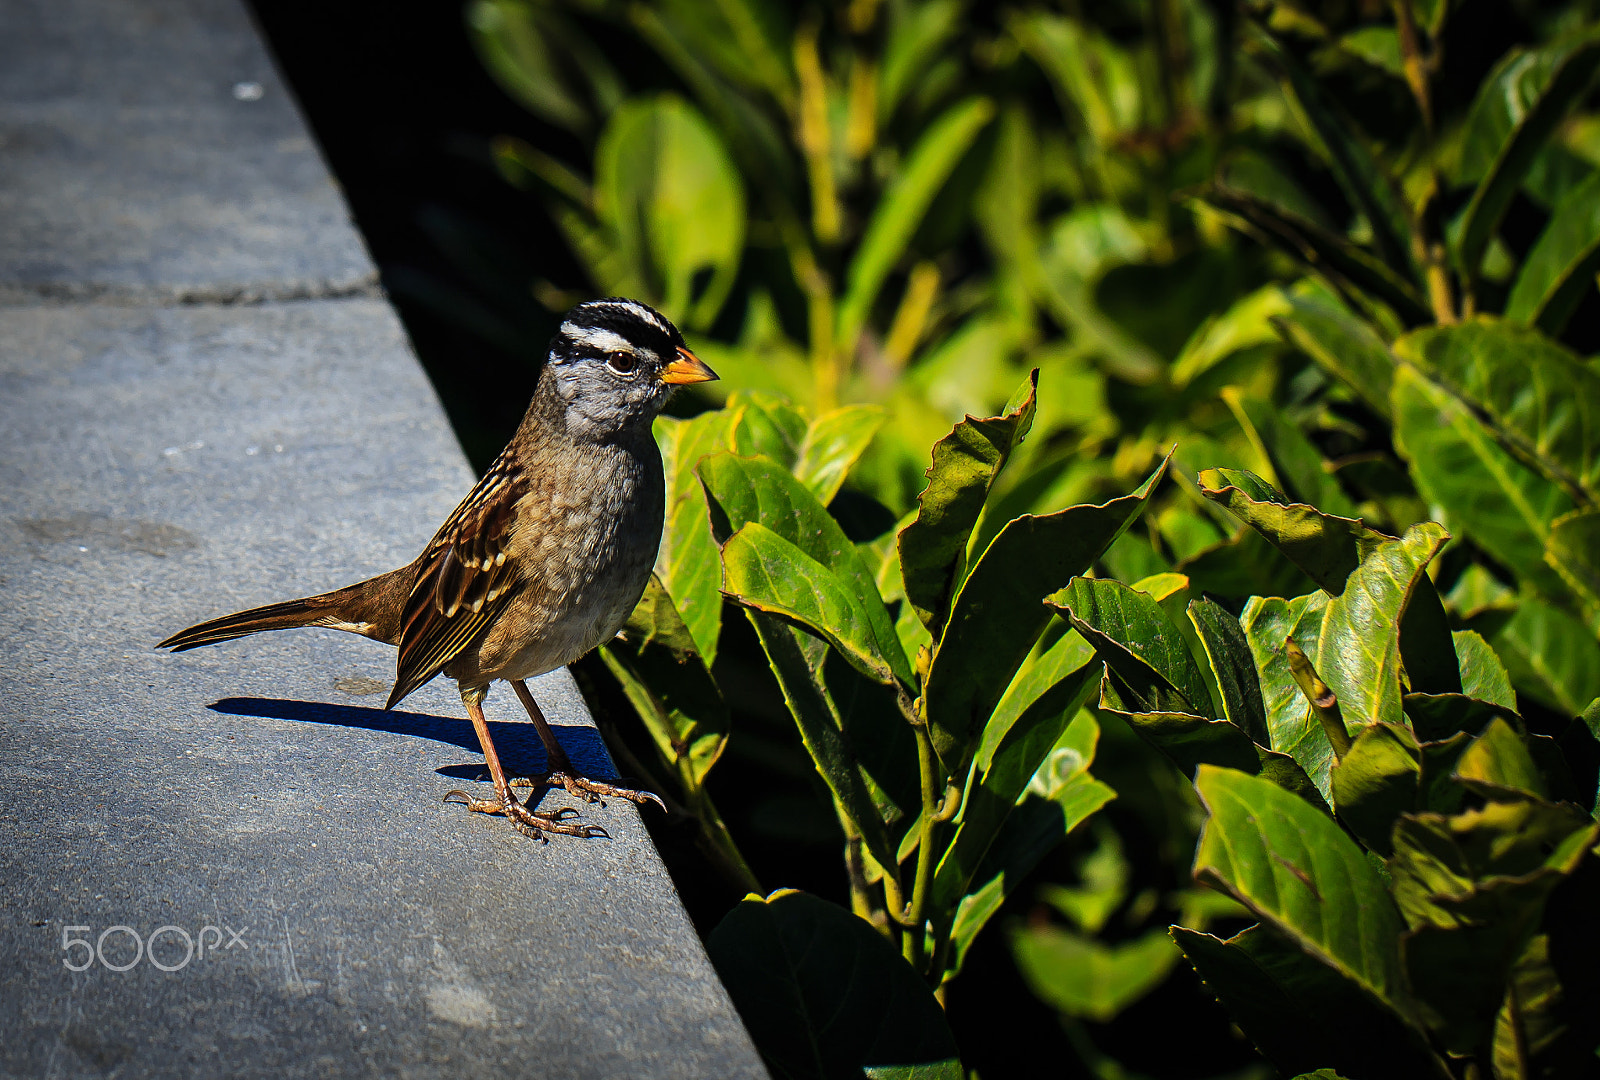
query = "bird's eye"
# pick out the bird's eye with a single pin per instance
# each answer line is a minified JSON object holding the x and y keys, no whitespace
{"x":622,"y":362}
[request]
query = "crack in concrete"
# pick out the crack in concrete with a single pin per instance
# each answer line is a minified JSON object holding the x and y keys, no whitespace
{"x":65,"y":294}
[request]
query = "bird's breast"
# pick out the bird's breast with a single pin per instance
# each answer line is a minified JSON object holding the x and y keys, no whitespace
{"x":585,"y":539}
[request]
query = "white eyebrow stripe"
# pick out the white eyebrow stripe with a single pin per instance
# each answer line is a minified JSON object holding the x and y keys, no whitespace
{"x":639,"y":311}
{"x":597,"y":338}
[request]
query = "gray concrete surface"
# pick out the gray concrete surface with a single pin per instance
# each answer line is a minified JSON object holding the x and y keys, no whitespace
{"x":150,"y":152}
{"x":161,"y":463}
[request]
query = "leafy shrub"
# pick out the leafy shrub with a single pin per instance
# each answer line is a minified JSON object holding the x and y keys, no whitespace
{"x":1330,"y":278}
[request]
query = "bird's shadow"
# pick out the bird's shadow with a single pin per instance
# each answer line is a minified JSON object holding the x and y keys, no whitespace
{"x":521,"y":752}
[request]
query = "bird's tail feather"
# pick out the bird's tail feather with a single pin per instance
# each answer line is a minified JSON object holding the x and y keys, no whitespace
{"x":369,"y":608}
{"x":307,"y":611}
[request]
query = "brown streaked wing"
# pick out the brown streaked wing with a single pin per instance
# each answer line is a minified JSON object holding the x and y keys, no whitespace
{"x":463,"y":581}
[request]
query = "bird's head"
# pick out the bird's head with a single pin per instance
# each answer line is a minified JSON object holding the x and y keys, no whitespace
{"x":614,"y":363}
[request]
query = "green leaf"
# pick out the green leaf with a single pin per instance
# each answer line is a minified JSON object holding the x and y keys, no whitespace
{"x":1017,"y":754}
{"x":673,"y":199}
{"x":1364,"y":182}
{"x":833,"y":443}
{"x":1131,"y":633}
{"x":1352,"y":640}
{"x":1498,"y":762}
{"x":687,"y":562}
{"x":965,"y":464}
{"x":1228,"y":651}
{"x":949,"y":1069}
{"x":1323,"y":251}
{"x":1485,"y":863}
{"x":823,"y":994}
{"x":667,"y":680}
{"x":767,"y":425}
{"x":901,"y":210}
{"x":1342,"y":344}
{"x":1560,"y":269}
{"x":1573,"y":550}
{"x":1288,"y":453}
{"x":999,"y":612}
{"x":1298,"y":872}
{"x":1377,"y":781}
{"x":1249,"y":322}
{"x":916,"y":33}
{"x":1301,"y":1013}
{"x":1483,"y":676}
{"x":798,"y":668}
{"x":1539,"y":400}
{"x":1473,"y":887}
{"x":758,"y":491}
{"x":1552,"y":657}
{"x":1327,"y":547}
{"x":1060,"y":796}
{"x":1083,"y":977}
{"x":764,"y":571}
{"x":519,"y":44}
{"x":1505,"y":507}
{"x":1512,"y":119}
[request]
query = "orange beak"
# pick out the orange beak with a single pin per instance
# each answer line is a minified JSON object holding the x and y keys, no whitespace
{"x":687,"y":368}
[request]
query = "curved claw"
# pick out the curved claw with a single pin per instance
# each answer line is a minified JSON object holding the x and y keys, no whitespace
{"x":653,"y":797}
{"x":595,"y":830}
{"x":465,"y":798}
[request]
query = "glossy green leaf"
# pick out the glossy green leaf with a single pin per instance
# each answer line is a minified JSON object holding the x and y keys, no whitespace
{"x":1327,"y":547}
{"x":965,"y":465}
{"x":1504,"y":506}
{"x":764,"y":571}
{"x":823,"y":994}
{"x":1000,"y":782}
{"x":1378,"y":780}
{"x":1487,"y":862}
{"x":1084,"y":977}
{"x":1342,"y":344}
{"x":1516,"y":111}
{"x":1320,"y":249}
{"x":1483,"y":676}
{"x":1364,"y":181}
{"x":1498,"y":762}
{"x":832,"y":445}
{"x":765,"y":424}
{"x":1560,"y":269}
{"x":1228,"y":651}
{"x":1301,"y":1012}
{"x":688,"y":562}
{"x":1353,"y":640}
{"x":1573,"y":550}
{"x":1130,"y":632}
{"x":664,"y":676}
{"x":1298,"y":872}
{"x":1299,"y":465}
{"x":755,"y":490}
{"x":902,"y":208}
{"x":998,"y":612}
{"x":1539,"y":400}
{"x":1060,"y":796}
{"x":674,"y":201}
{"x":798,"y":669}
{"x":1439,"y":716}
{"x":1552,"y":657}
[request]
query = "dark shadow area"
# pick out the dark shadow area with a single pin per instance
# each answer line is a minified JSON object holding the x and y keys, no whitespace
{"x":520,"y":750}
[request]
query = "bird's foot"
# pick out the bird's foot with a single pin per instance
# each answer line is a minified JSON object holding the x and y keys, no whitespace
{"x":590,"y":791}
{"x":528,"y":822}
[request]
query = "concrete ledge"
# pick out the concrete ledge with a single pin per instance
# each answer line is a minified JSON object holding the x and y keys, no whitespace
{"x":160,"y":464}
